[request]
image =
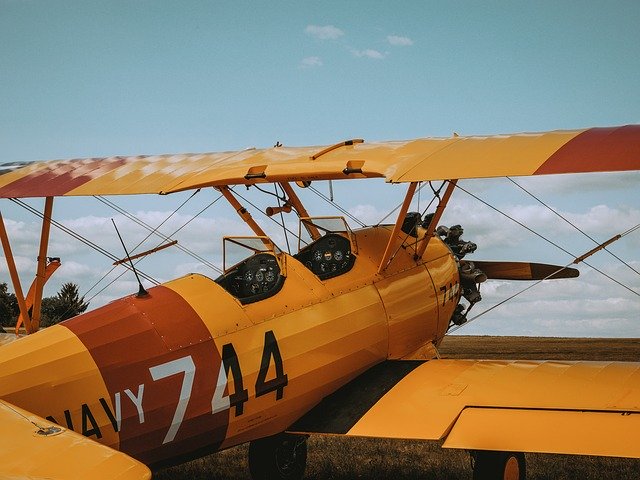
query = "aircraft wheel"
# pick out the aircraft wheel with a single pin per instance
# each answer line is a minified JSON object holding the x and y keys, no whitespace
{"x":281,"y":457}
{"x":489,"y":465}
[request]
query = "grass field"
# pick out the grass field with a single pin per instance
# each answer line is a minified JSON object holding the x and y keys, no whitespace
{"x":344,"y":458}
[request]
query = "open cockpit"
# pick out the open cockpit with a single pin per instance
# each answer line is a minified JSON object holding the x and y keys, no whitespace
{"x":258,"y":267}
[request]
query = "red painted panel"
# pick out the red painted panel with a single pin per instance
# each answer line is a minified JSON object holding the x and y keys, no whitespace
{"x":597,"y":150}
{"x":125,"y":338}
{"x":49,"y":182}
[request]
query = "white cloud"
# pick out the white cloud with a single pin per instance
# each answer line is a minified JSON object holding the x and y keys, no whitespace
{"x":310,"y":62}
{"x":398,"y":41}
{"x":585,"y":182}
{"x":71,"y":271}
{"x":369,"y":53}
{"x":368,"y":214}
{"x":326,"y":32}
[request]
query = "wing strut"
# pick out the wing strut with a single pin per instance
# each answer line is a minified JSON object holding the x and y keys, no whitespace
{"x":42,"y":263}
{"x":13,"y":272}
{"x":52,"y":266}
{"x":396,"y":228}
{"x":244,"y":214}
{"x":436,"y":218}
{"x":293,"y":198}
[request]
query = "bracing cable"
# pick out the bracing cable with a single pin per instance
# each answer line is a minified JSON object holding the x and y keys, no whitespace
{"x":544,"y":238}
{"x":576,"y":261}
{"x":555,"y":212}
{"x":270,"y":218}
{"x":580,"y":259}
{"x":338,"y":207}
{"x":80,"y":238}
{"x":156,"y":232}
{"x":161,"y":235}
{"x":397,"y":207}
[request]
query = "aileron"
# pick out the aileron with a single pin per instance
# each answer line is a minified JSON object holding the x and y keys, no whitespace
{"x":571,"y":432}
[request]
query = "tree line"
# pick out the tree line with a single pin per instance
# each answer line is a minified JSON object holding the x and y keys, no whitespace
{"x":65,"y":304}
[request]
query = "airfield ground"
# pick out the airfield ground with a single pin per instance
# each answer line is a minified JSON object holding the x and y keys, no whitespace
{"x":342,"y":458}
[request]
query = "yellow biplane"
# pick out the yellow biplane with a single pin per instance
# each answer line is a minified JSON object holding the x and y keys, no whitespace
{"x":338,"y":338}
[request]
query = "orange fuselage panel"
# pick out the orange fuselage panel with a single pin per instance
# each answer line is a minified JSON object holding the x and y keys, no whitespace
{"x":189,"y":369}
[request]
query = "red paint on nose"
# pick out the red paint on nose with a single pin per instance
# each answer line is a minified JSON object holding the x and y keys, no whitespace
{"x":129,"y":337}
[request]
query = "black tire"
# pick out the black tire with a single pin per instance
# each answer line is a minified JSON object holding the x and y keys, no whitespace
{"x":490,"y":465}
{"x":281,"y":457}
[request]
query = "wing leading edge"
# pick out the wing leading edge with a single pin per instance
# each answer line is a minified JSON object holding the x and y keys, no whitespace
{"x":574,"y":151}
{"x":582,"y":408}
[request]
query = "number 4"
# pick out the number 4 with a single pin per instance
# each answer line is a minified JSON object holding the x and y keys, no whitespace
{"x":264,"y":386}
{"x":220,"y":401}
{"x":230,"y":362}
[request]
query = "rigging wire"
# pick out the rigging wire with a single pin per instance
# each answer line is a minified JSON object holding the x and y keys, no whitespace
{"x":623,"y":234}
{"x":295,"y":235}
{"x":139,"y":222}
{"x":546,"y":239}
{"x":570,"y":223}
{"x":338,"y":207}
{"x":165,"y":238}
{"x":407,"y":235}
{"x":80,"y":238}
{"x":576,"y":261}
{"x":436,"y":193}
{"x":161,"y":235}
{"x":283,"y":198}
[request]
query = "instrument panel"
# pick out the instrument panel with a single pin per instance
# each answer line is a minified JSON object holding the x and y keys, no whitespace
{"x":328,"y":257}
{"x":256,"y":278}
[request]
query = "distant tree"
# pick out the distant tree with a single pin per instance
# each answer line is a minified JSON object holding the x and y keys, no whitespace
{"x":8,"y":307}
{"x":66,"y":304}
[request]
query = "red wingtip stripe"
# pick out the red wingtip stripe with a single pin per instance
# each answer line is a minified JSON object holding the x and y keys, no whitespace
{"x":597,"y":150}
{"x":57,"y":182}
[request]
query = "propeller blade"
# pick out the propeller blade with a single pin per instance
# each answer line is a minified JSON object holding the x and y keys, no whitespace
{"x":524,"y":270}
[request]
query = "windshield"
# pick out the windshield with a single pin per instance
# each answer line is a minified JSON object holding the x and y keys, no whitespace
{"x":237,"y":249}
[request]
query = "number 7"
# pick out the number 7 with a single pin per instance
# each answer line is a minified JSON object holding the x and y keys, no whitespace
{"x":181,"y":365}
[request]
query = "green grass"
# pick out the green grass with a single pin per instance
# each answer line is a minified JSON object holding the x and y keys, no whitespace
{"x":343,"y":458}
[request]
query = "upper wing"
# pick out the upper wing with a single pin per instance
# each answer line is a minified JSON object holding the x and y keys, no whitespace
{"x":590,"y":150}
{"x":31,"y":447}
{"x":587,"y":408}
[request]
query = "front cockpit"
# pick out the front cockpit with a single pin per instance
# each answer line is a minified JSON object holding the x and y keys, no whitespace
{"x":258,"y":275}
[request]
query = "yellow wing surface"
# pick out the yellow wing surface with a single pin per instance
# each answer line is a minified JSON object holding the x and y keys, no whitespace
{"x":34,"y":448}
{"x":584,"y":408}
{"x":574,"y":151}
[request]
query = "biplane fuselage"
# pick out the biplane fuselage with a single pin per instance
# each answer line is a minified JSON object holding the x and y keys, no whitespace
{"x":191,"y":367}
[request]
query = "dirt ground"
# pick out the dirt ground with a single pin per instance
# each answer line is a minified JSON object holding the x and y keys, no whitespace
{"x":344,"y":458}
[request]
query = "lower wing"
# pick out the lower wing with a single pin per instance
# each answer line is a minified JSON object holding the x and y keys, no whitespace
{"x":583,"y":408}
{"x":31,"y":447}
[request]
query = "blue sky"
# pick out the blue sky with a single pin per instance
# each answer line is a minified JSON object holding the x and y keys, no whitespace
{"x":88,"y":78}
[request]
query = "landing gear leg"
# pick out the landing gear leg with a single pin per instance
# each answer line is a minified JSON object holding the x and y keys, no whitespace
{"x":281,"y":457}
{"x":490,"y":465}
